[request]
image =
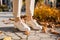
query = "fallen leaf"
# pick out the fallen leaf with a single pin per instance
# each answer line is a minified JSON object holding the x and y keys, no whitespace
{"x":58,"y":38}
{"x":1,"y":32}
{"x":27,"y":33}
{"x":12,"y":19}
{"x":54,"y":32}
{"x":3,"y":20}
{"x":7,"y":38}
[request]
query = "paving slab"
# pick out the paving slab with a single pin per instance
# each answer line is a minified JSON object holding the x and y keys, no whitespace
{"x":32,"y":32}
{"x":33,"y":38}
{"x":13,"y":35}
{"x":10,"y":31}
{"x":47,"y":39}
{"x":21,"y":35}
{"x":5,"y":25}
{"x":2,"y":36}
{"x":23,"y":39}
{"x":43,"y":35}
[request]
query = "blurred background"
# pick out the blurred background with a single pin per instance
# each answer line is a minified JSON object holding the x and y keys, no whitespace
{"x":7,"y":5}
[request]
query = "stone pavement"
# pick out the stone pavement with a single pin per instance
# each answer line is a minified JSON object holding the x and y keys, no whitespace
{"x":10,"y":31}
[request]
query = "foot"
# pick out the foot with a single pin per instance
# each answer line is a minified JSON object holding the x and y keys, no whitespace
{"x":22,"y":26}
{"x":33,"y":24}
{"x":37,"y":24}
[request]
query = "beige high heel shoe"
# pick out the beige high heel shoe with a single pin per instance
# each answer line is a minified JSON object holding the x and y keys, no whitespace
{"x":33,"y":24}
{"x":19,"y":24}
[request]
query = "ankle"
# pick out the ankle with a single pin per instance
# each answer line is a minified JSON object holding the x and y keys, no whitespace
{"x":17,"y":19}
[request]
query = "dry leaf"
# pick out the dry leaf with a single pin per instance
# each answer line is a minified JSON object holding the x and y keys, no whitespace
{"x":54,"y":32}
{"x":7,"y":38}
{"x":1,"y":32}
{"x":3,"y":20}
{"x":27,"y":33}
{"x":6,"y":21}
{"x":44,"y":29}
{"x":58,"y":38}
{"x":12,"y":19}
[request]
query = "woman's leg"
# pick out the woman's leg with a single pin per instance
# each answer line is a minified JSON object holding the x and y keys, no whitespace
{"x":19,"y":8}
{"x":30,"y":12}
{"x":15,"y":8}
{"x":32,"y":3}
{"x":18,"y":22}
{"x":17,"y":5}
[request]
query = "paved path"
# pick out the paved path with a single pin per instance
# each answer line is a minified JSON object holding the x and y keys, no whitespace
{"x":9,"y":30}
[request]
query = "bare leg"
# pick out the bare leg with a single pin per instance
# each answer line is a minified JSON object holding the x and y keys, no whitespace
{"x":15,"y":8}
{"x":30,"y":13}
{"x":15,"y":11}
{"x":32,"y":7}
{"x":17,"y":5}
{"x":28,"y":9}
